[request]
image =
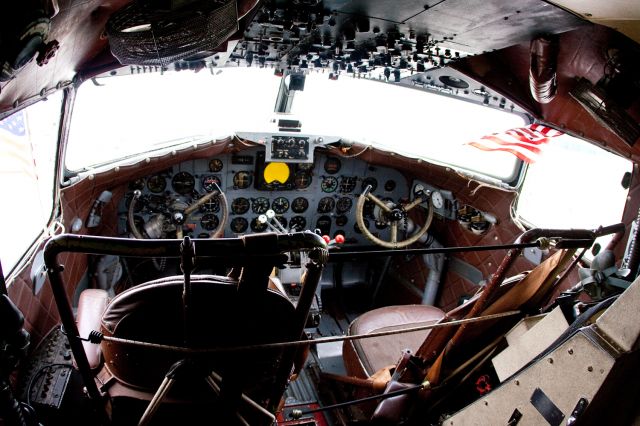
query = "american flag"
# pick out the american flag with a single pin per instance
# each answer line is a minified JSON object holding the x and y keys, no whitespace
{"x":524,"y":142}
{"x":16,"y":155}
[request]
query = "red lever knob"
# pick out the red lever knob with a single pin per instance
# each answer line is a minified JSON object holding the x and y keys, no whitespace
{"x":326,"y":238}
{"x":339,"y":239}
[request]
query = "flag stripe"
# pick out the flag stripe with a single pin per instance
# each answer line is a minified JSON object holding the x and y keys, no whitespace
{"x":526,"y":156}
{"x":525,"y":142}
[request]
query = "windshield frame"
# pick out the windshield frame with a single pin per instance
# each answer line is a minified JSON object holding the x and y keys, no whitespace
{"x":511,"y":182}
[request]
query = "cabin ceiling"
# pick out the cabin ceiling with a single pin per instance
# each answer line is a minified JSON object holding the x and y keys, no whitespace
{"x":488,"y":40}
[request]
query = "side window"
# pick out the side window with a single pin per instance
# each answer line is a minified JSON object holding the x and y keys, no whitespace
{"x":28,"y":140}
{"x":574,"y":184}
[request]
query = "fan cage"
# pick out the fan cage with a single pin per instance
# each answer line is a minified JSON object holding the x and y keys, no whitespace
{"x":139,"y":35}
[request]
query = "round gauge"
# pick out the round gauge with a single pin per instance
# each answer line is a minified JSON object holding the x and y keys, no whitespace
{"x":282,"y":220}
{"x":242,"y":180}
{"x":344,"y":204}
{"x":329,"y":184}
{"x":299,"y":205}
{"x":257,"y":226}
{"x":326,"y":205}
{"x":390,"y":185}
{"x":368,"y":209}
{"x":259,"y":205}
{"x":341,"y":220}
{"x":370,"y":181}
{"x":209,"y":221}
{"x":280,"y":205}
{"x":332,"y":165}
{"x":357,"y":228}
{"x":183,"y":183}
{"x":215,"y":165}
{"x":437,"y":200}
{"x":305,"y":166}
{"x":302,"y":179}
{"x":209,"y":182}
{"x":298,"y":223}
{"x":136,"y":184}
{"x":156,"y":183}
{"x":239,"y":225}
{"x":348,"y":184}
{"x":212,"y":205}
{"x":240,"y":205}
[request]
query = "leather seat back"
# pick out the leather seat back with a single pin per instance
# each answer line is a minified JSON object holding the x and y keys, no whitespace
{"x":219,"y":316}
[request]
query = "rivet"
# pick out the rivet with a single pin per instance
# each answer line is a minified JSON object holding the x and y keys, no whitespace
{"x":489,"y":264}
{"x":116,"y":169}
{"x":517,"y":382}
{"x":589,"y":369}
{"x":486,"y":403}
{"x":550,"y":360}
{"x":570,"y":351}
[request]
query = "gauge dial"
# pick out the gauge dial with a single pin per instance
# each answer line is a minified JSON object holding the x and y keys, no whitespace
{"x":209,"y":182}
{"x":282,"y":220}
{"x":341,"y":220}
{"x":305,"y":166}
{"x":348,"y":184}
{"x":257,"y":226}
{"x":302,"y":179}
{"x":370,"y":181}
{"x":136,"y":184}
{"x":260,"y":205}
{"x":326,"y":205}
{"x":209,"y":221}
{"x":298,"y":223}
{"x":242,"y":180}
{"x":390,"y":185}
{"x":183,"y":183}
{"x":344,"y":204}
{"x":215,"y":165}
{"x":437,"y":200}
{"x":357,"y":228}
{"x":329,"y":184}
{"x":240,"y":205}
{"x":156,"y":184}
{"x":299,"y":205}
{"x":212,"y":205}
{"x":332,"y":165}
{"x":239,"y":225}
{"x":280,"y":205}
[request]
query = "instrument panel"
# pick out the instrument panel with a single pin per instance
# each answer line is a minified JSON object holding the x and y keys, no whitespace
{"x":320,"y":195}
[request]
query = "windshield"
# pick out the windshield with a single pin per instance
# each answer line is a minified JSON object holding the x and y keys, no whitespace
{"x":120,"y":116}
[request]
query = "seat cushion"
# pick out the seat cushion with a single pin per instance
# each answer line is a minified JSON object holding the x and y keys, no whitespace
{"x":366,"y":356}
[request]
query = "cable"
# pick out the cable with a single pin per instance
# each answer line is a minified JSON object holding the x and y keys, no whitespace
{"x":38,"y":373}
{"x":96,"y":337}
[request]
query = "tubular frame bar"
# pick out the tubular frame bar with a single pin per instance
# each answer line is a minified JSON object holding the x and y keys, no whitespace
{"x":231,"y":251}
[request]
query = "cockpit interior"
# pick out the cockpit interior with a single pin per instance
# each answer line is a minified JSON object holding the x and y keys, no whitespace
{"x":319,"y":212}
